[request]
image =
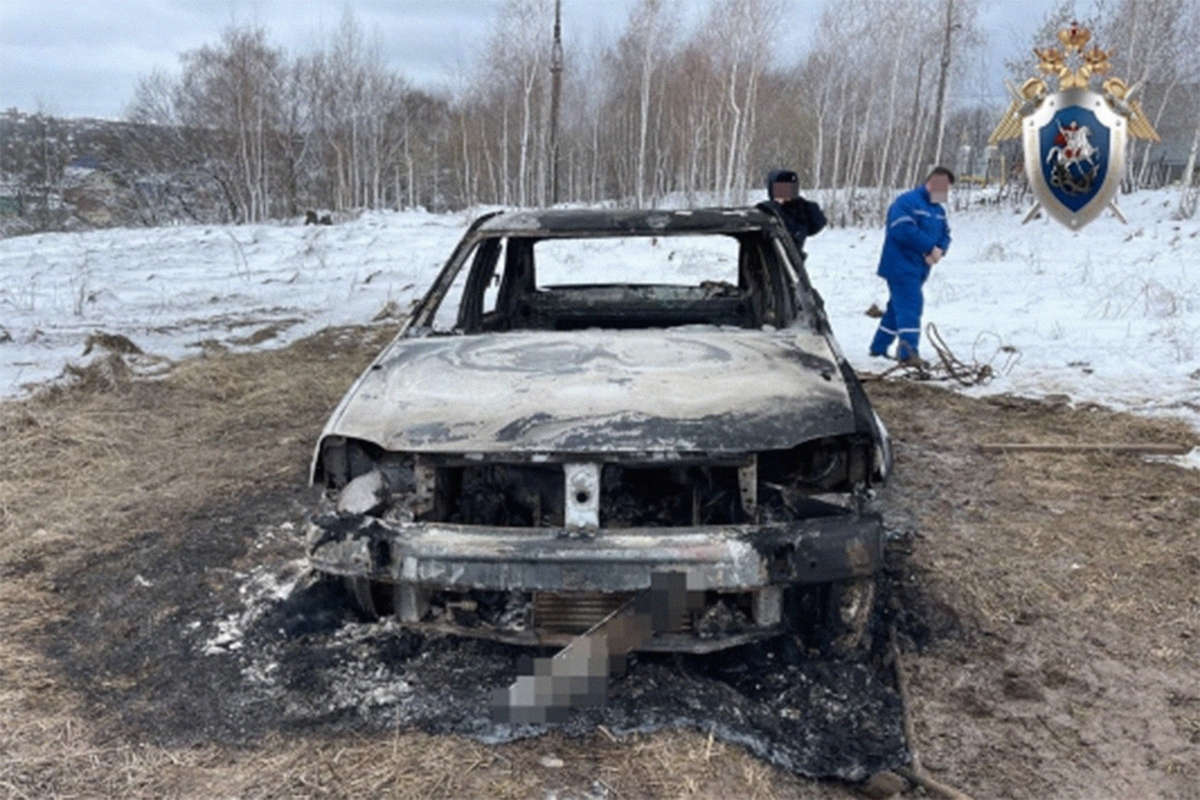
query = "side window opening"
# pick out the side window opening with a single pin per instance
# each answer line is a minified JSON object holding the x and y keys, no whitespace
{"x":462,"y":306}
{"x":490,"y":284}
{"x":448,"y":310}
{"x":491,"y":293}
{"x":760,"y":279}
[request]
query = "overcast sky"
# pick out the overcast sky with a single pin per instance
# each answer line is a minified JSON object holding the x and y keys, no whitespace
{"x":83,"y":58}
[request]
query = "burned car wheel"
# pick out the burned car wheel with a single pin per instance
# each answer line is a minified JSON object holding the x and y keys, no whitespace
{"x":849,"y":609}
{"x":834,"y":620}
{"x":370,"y":599}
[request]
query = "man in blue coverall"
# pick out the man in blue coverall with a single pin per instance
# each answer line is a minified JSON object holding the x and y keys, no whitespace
{"x":917,"y":237}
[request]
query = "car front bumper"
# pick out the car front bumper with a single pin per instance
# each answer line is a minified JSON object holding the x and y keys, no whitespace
{"x":726,"y":558}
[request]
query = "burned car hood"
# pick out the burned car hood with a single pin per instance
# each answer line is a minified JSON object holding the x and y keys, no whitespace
{"x":688,"y":389}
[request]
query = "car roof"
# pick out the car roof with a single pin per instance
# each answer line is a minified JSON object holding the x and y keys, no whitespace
{"x":627,"y":222}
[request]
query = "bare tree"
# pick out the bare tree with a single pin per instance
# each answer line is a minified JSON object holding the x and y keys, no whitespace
{"x":662,"y":109}
{"x":1152,"y":44}
{"x":648,"y":28}
{"x":230,"y":90}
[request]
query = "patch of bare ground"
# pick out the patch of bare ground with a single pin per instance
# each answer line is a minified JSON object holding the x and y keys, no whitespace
{"x":1074,"y":578}
{"x":1052,"y":620}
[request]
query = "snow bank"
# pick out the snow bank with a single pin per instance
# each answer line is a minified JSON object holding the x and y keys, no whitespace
{"x":1110,"y":315}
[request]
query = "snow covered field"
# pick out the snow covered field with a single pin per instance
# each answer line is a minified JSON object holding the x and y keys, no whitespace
{"x":171,"y":289}
{"x":1110,"y":315}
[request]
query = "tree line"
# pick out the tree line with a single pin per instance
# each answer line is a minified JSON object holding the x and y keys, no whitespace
{"x":675,"y":108}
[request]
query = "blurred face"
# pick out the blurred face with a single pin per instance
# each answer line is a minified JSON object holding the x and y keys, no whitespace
{"x":782,"y":191}
{"x":939,"y":188}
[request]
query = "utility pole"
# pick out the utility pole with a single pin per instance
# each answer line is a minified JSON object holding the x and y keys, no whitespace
{"x":556,"y":66}
{"x":942,"y":76}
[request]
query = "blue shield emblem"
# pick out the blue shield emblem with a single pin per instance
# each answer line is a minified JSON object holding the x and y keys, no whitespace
{"x":1074,"y":155}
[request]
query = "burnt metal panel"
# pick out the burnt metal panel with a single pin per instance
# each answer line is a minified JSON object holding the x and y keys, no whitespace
{"x":699,"y":389}
{"x":682,"y":642}
{"x":627,"y":222}
{"x":726,"y":557}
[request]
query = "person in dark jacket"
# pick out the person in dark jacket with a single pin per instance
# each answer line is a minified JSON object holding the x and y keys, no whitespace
{"x":803,"y":218}
{"x":917,"y":237}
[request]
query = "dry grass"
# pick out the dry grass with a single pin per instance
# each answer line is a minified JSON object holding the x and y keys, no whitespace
{"x":85,"y":468}
{"x":60,"y":757}
{"x":1101,"y":517}
{"x":1075,"y":574}
{"x":163,"y":448}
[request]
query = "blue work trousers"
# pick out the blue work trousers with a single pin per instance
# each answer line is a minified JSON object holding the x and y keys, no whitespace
{"x":902,"y":318}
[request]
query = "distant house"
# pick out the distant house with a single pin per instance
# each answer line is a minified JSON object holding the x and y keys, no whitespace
{"x":1169,"y":157}
{"x":1176,"y":127}
{"x":10,"y":200}
{"x":90,"y":189}
{"x":88,"y":162}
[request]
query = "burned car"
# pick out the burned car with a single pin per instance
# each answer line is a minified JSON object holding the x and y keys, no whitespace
{"x":587,"y":399}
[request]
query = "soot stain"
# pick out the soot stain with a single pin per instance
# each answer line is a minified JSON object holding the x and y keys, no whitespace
{"x":228,"y":643}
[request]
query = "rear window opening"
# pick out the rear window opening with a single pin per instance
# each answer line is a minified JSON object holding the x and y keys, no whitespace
{"x":674,"y":260}
{"x":619,"y":282}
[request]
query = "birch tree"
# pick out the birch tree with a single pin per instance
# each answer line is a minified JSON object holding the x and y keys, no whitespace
{"x":648,"y":29}
{"x":1153,"y":42}
{"x":229,"y":91}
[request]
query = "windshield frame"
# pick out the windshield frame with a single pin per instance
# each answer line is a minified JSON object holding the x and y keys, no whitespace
{"x":478,"y":247}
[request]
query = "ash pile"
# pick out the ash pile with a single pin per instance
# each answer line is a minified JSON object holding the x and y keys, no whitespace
{"x":305,"y":652}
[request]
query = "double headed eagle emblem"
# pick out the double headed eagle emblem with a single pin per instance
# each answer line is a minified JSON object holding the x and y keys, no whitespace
{"x":1074,"y":139}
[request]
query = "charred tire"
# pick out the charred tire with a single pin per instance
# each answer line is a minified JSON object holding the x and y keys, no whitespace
{"x":834,"y":620}
{"x":849,"y":609}
{"x":371,"y":600}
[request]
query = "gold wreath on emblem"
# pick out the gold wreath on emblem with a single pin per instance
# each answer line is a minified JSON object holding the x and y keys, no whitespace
{"x":1058,"y":63}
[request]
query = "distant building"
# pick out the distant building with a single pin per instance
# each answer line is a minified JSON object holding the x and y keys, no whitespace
{"x":1176,"y":127}
{"x":11,"y":204}
{"x":84,"y":163}
{"x":90,"y":189}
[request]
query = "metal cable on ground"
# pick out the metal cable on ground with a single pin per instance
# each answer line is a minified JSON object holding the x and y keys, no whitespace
{"x":948,"y":366}
{"x":965,"y":374}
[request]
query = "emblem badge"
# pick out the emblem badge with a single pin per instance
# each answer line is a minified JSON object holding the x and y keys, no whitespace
{"x":1074,"y":140}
